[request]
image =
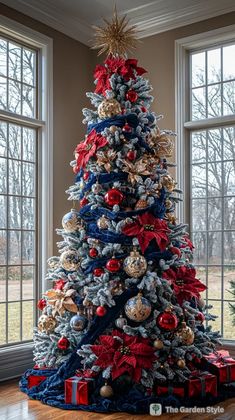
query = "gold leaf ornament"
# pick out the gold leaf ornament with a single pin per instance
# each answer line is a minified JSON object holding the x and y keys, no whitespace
{"x":116,"y":37}
{"x":135,"y":170}
{"x":161,"y":143}
{"x":105,"y":158}
{"x":62,"y":301}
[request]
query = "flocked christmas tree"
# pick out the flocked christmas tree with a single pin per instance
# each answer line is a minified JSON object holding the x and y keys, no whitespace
{"x":125,"y":305}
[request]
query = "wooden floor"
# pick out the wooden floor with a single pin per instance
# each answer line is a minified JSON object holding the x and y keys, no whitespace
{"x":16,"y":405}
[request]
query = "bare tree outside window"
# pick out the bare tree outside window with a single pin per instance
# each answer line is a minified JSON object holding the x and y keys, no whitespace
{"x":213,"y":176}
{"x":18,"y":193}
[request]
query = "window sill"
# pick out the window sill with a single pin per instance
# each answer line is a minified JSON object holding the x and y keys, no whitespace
{"x":15,"y":360}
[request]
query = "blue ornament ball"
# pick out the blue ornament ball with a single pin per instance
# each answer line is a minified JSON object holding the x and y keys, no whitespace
{"x":138,"y":308}
{"x":78,"y":322}
{"x":72,"y":221}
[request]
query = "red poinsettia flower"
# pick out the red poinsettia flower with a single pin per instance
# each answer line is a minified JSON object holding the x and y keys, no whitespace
{"x":147,"y":227}
{"x":88,"y":148}
{"x":126,"y":68}
{"x":188,"y":243}
{"x":184,"y":283}
{"x":124,"y":353}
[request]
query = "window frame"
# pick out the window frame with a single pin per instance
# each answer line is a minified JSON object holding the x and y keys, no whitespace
{"x":14,"y":359}
{"x":184,"y":126}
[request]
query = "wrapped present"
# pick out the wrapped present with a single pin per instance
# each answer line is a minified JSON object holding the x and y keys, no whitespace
{"x":78,"y":390}
{"x":221,"y":364}
{"x":165,"y":389}
{"x":201,"y":384}
{"x":34,"y":380}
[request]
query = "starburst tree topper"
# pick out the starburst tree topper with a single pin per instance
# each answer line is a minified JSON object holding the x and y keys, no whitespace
{"x":116,"y":37}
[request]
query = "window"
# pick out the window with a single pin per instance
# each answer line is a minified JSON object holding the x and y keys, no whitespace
{"x":206,"y":123}
{"x":25,"y":183}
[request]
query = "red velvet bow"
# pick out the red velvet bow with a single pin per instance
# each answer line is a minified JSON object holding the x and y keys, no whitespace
{"x":124,"y":353}
{"x":147,"y":227}
{"x":184,"y":283}
{"x":88,"y":148}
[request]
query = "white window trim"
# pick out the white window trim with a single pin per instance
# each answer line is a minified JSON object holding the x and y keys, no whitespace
{"x":182,"y":123}
{"x":15,"y":359}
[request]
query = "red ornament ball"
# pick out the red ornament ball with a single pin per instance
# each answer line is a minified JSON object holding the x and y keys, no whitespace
{"x":93,"y":252}
{"x":113,"y":197}
{"x":101,"y":311}
{"x":83,"y":202}
{"x":113,"y":265}
{"x":200,"y":317}
{"x":63,"y":343}
{"x":143,"y":109}
{"x":41,"y":304}
{"x":86,"y":176}
{"x":127,"y":128}
{"x":59,"y":284}
{"x":131,"y":95}
{"x":167,"y":321}
{"x":131,"y":155}
{"x":175,"y":251}
{"x":98,"y":272}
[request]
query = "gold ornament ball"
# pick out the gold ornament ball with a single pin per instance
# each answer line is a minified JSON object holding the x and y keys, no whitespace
{"x":135,"y":265}
{"x":70,"y":260}
{"x":181,"y":363}
{"x":168,"y":204}
{"x":46,"y":323}
{"x":103,"y":222}
{"x":201,"y":303}
{"x":186,"y":334}
{"x":109,"y":108}
{"x":158,"y":344}
{"x":141,"y":204}
{"x":106,"y":391}
{"x":113,"y":129}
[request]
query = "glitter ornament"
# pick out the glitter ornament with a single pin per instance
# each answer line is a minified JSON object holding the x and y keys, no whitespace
{"x":98,"y":272}
{"x":103,"y":222}
{"x":72,"y":221}
{"x":113,"y":265}
{"x":120,"y":322}
{"x":78,"y":322}
{"x":131,"y":95}
{"x":41,"y":304}
{"x":186,"y":334}
{"x":138,"y":308}
{"x":101,"y":311}
{"x":93,"y":252}
{"x":167,"y":320}
{"x":158,"y":344}
{"x":63,"y":343}
{"x":113,"y":197}
{"x":135,"y":265}
{"x":141,"y":204}
{"x":46,"y":324}
{"x":83,"y":202}
{"x":106,"y":391}
{"x":109,"y":108}
{"x":70,"y":260}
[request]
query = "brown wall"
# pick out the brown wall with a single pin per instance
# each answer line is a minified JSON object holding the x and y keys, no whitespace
{"x":72,"y":77}
{"x":156,"y":54}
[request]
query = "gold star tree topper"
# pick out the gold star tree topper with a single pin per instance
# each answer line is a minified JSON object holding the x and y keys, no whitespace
{"x":116,"y":37}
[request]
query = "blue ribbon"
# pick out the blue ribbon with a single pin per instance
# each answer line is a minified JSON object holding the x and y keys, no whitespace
{"x":118,"y":121}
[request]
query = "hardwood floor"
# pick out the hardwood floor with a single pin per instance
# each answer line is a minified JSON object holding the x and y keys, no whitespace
{"x":15,"y":405}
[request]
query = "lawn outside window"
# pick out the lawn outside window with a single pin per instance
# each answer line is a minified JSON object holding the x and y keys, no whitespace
{"x":205,"y":117}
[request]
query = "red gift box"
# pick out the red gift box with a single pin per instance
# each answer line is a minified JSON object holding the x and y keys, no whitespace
{"x":34,"y":380}
{"x":201,"y":384}
{"x":221,"y":364}
{"x":163,"y":389}
{"x":78,"y":390}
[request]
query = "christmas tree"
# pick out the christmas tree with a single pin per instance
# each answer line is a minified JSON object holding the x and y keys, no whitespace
{"x":122,"y":325}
